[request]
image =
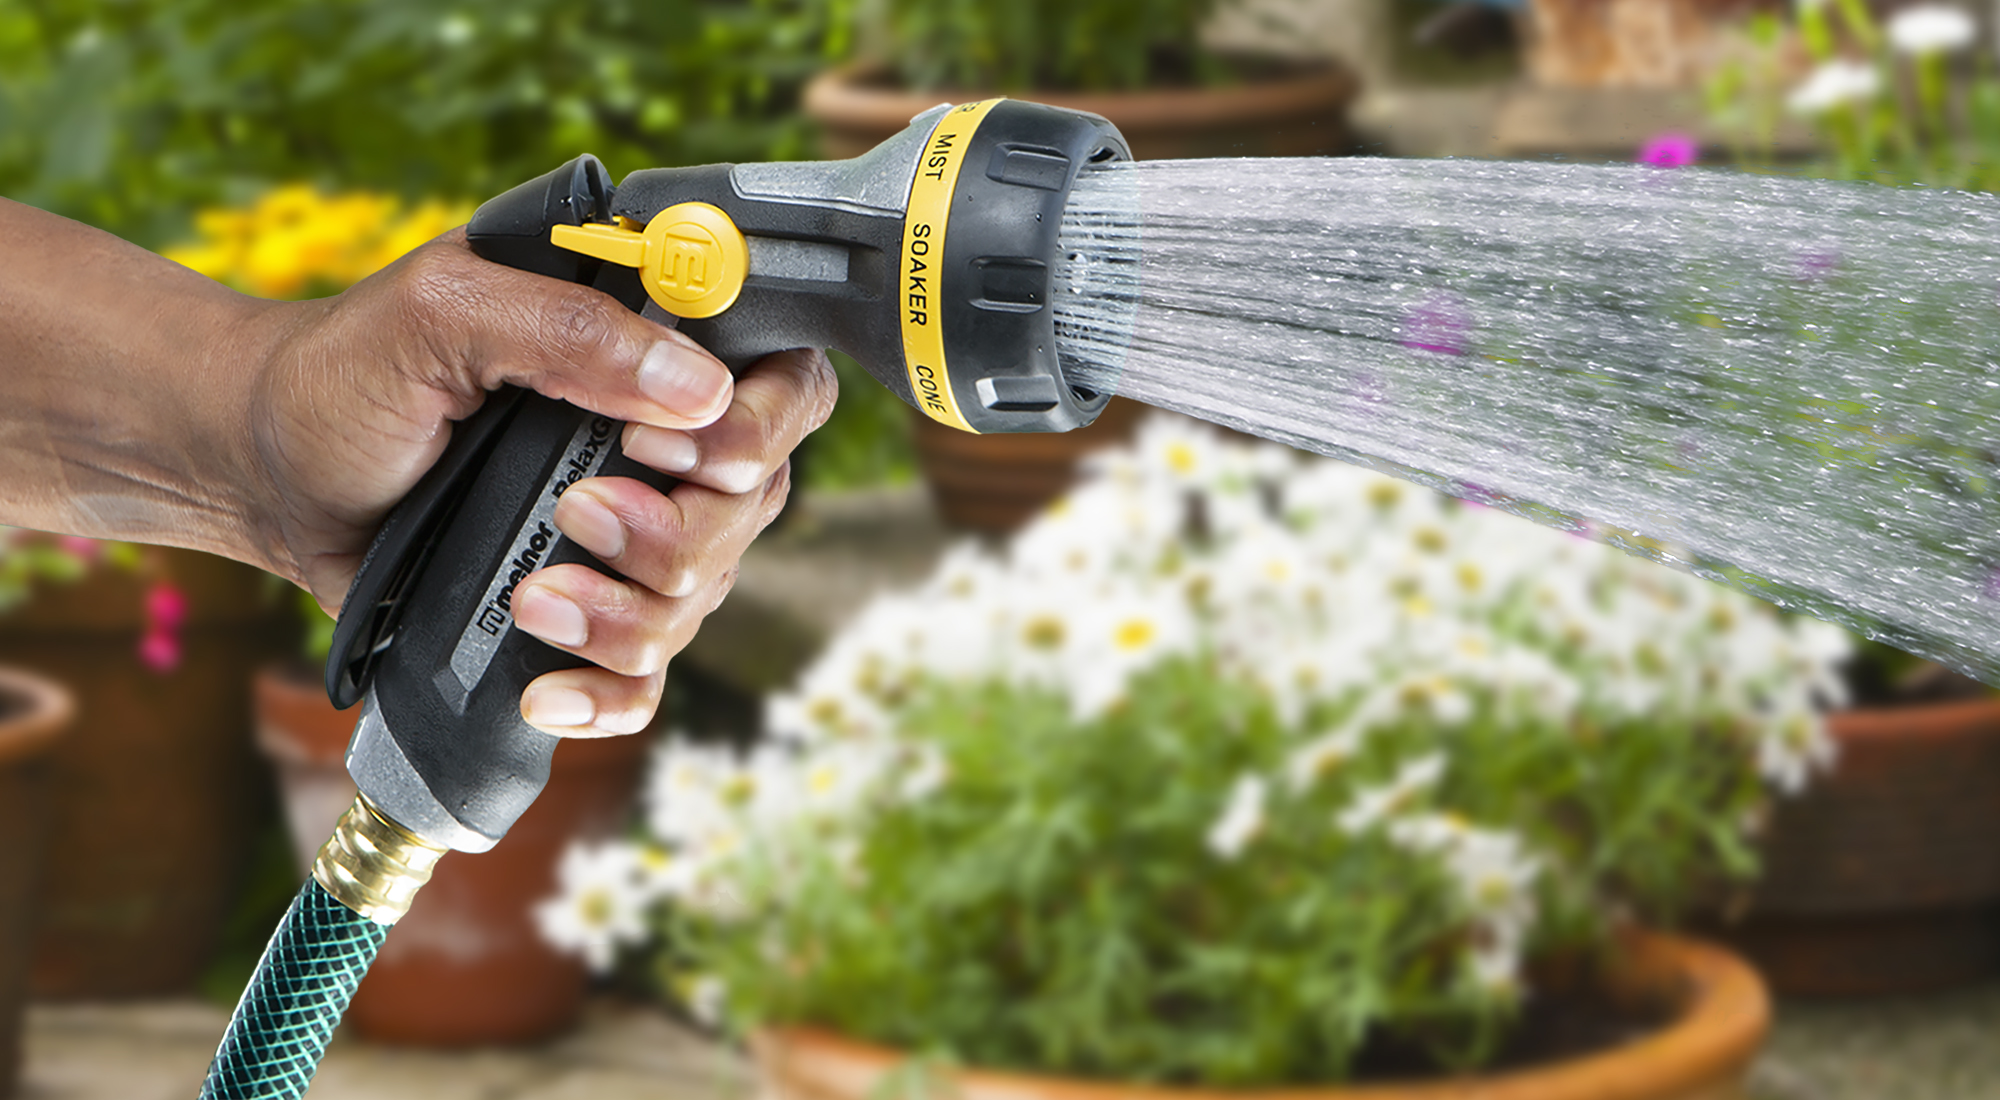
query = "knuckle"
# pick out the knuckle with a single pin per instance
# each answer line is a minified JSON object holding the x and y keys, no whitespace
{"x":631,"y":718}
{"x":643,"y":655}
{"x":777,"y":491}
{"x":429,"y":286}
{"x":825,"y":390}
{"x":724,"y":586}
{"x":578,"y":320}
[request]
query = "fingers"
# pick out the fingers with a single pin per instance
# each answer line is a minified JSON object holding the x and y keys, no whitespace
{"x":778,"y":401}
{"x":669,"y":543}
{"x":484,"y":324}
{"x":634,"y":625}
{"x":608,"y":701}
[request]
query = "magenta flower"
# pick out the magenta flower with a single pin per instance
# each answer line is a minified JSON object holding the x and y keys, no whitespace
{"x":1439,"y":323}
{"x":1670,"y":150}
{"x":82,"y":549}
{"x":1817,"y":264}
{"x":160,"y":651}
{"x":166,"y":607}
{"x":166,"y":611}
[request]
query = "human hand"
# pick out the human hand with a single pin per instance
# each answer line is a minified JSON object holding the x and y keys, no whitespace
{"x":355,"y":401}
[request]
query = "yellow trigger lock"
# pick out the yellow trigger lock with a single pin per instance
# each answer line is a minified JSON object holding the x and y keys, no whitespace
{"x":691,"y":257}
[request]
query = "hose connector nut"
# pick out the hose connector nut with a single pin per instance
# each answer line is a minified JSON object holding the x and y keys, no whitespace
{"x":373,"y":865}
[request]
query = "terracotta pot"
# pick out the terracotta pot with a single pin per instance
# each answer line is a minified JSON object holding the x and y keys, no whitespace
{"x":994,"y":483}
{"x":1630,"y":43}
{"x":1300,"y":113}
{"x":1720,"y":1014}
{"x":467,"y":965}
{"x":34,"y":714}
{"x":157,"y":795}
{"x":305,"y":740}
{"x":1884,"y":876}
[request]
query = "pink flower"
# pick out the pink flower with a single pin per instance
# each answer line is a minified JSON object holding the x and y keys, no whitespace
{"x":160,"y":651}
{"x":1818,"y":264}
{"x":80,"y":548}
{"x":1670,"y":150}
{"x":166,"y":607}
{"x":166,"y":611}
{"x":1439,"y":323}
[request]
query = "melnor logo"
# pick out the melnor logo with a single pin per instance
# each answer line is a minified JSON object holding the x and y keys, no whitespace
{"x":693,"y":262}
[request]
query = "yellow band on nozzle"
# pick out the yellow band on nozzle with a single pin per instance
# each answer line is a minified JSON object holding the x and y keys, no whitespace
{"x":691,"y":257}
{"x":924,"y":226}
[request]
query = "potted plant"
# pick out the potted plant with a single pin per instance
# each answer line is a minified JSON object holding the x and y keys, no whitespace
{"x":157,"y":645}
{"x":1143,"y":66}
{"x":1881,"y":879}
{"x":1239,"y":771}
{"x":34,"y":714}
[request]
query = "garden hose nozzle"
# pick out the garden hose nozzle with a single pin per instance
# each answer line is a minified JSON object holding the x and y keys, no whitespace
{"x":930,"y":259}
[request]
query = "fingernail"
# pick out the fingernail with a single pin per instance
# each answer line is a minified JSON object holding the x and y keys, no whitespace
{"x":558,"y":706}
{"x":590,"y":524}
{"x":550,"y":617}
{"x":685,"y":381}
{"x":662,"y":448}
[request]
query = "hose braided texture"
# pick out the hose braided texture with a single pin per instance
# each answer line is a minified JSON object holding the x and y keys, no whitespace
{"x":293,"y":1002}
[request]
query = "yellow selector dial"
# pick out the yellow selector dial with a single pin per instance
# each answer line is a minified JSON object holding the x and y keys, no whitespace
{"x":691,"y":257}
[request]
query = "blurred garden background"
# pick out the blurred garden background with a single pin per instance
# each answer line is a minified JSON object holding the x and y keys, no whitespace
{"x":155,"y":824}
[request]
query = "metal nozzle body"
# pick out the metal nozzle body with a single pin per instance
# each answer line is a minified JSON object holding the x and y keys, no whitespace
{"x":373,"y":865}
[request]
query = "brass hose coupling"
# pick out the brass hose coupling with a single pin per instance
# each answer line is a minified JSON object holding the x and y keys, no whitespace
{"x":373,"y":865}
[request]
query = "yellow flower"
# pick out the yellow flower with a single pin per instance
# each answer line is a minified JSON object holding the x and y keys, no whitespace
{"x":296,"y":240}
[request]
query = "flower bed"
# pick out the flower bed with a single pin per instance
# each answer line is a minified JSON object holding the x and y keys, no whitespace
{"x":1230,"y":769}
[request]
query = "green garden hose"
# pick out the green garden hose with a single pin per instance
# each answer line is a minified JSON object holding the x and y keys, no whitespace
{"x":364,"y":879}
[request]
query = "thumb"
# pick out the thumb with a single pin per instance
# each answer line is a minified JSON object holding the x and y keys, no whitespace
{"x":486,"y":324}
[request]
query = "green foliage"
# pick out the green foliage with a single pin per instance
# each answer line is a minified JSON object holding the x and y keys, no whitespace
{"x":1042,"y":43}
{"x":1925,"y":120}
{"x":867,"y":439}
{"x":1046,"y":910}
{"x":30,"y":559}
{"x":317,"y":639}
{"x":129,"y":115}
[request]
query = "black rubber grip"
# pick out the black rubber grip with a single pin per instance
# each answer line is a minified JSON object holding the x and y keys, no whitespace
{"x":449,"y":687}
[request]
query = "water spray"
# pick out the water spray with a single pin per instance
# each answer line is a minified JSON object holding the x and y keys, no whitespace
{"x":929,"y":259}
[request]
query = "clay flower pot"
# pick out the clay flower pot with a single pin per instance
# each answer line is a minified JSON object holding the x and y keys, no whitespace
{"x":34,"y":714}
{"x":1883,"y":877}
{"x":994,"y":483}
{"x":1630,"y":43}
{"x":1300,"y":112}
{"x":467,"y":966}
{"x":1719,"y":1016}
{"x":156,"y":795}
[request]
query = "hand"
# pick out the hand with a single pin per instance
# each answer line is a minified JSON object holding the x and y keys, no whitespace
{"x":355,"y":401}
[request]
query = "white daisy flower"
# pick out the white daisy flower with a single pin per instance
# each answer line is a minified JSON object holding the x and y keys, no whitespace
{"x":1241,"y":820}
{"x":1835,"y":84}
{"x":1321,"y":756}
{"x":1374,"y":805}
{"x":1931,"y":28}
{"x":600,"y":907}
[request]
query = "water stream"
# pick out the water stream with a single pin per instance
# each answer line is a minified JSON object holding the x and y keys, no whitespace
{"x":1787,"y":385}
